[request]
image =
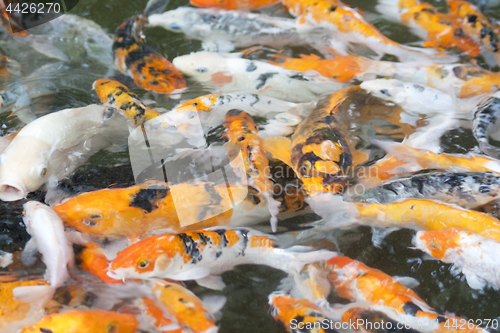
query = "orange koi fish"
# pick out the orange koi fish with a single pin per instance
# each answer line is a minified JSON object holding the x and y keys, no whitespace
{"x":357,"y":282}
{"x":234,"y":4}
{"x":340,"y":68}
{"x":191,"y":313}
{"x":473,"y":254}
{"x":350,"y":27}
{"x":203,"y":255}
{"x":298,"y":315}
{"x":92,"y":259}
{"x":426,"y":22}
{"x":77,"y":321}
{"x":319,"y":150}
{"x":132,"y":211}
{"x":115,"y":94}
{"x":474,"y":23}
{"x":149,"y":69}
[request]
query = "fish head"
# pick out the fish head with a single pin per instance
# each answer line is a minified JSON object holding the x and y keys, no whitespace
{"x":205,"y":67}
{"x":437,"y":242}
{"x":24,"y":167}
{"x":143,"y":259}
{"x":104,"y":213}
{"x":285,"y":308}
{"x":202,"y":103}
{"x":389,"y":90}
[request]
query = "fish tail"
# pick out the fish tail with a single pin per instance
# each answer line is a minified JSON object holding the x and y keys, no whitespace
{"x":301,"y":258}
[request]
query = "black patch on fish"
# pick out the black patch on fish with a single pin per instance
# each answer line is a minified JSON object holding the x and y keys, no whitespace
{"x":299,"y":77}
{"x":333,"y":8}
{"x":458,"y":71}
{"x":218,"y":254}
{"x":190,"y":247}
{"x":299,"y":319}
{"x":147,"y":199}
{"x":222,"y":233}
{"x":263,"y":78}
{"x":244,"y":236}
{"x":77,"y":249}
{"x":45,"y":330}
{"x":441,"y":319}
{"x":458,"y":33}
{"x":204,"y":239}
{"x":472,"y":18}
{"x":63,"y":297}
{"x":89,"y":299}
{"x":411,"y":308}
{"x":233,"y":112}
{"x":486,"y":31}
{"x":484,"y":189}
{"x":251,"y":67}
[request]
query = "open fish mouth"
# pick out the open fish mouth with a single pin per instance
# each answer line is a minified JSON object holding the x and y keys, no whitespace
{"x":11,"y":192}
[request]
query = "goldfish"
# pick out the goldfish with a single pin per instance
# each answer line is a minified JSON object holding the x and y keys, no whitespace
{"x":348,"y":26}
{"x":130,"y":212}
{"x":486,"y":115}
{"x":203,"y":255}
{"x":78,"y":321}
{"x":149,"y":69}
{"x":339,"y":68}
{"x":222,"y":30}
{"x":242,"y":131}
{"x":189,"y":311}
{"x":357,"y":282}
{"x":231,"y":73}
{"x":47,"y":236}
{"x":52,"y":146}
{"x":466,"y":189}
{"x":113,"y":93}
{"x":319,"y":151}
{"x":473,"y":254}
{"x":234,"y":4}
{"x":426,"y":22}
{"x":474,"y":24}
{"x":299,"y":315}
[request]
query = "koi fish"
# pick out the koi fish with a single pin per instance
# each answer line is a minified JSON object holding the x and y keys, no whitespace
{"x":78,"y":321}
{"x":234,"y":4}
{"x":410,"y":213}
{"x":242,"y":131}
{"x":474,"y":255}
{"x":485,"y":115}
{"x":223,"y":30}
{"x":319,"y":151}
{"x":47,"y":236}
{"x":190,"y":312}
{"x":298,"y":315}
{"x":340,"y":68}
{"x":467,"y":16}
{"x":348,"y":26}
{"x":230,"y":73}
{"x":426,"y":22}
{"x":113,"y":93}
{"x":204,"y":254}
{"x":467,"y":189}
{"x":149,"y":69}
{"x":52,"y":146}
{"x":357,"y":282}
{"x":133,"y":211}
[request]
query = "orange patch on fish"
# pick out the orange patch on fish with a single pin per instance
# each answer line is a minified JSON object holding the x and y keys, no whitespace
{"x":220,"y":79}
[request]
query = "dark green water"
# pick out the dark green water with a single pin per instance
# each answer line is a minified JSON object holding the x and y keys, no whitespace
{"x":247,"y":310}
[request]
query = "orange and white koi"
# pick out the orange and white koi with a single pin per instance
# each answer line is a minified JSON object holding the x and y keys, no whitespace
{"x":473,"y":254}
{"x":357,"y":282}
{"x":189,"y":311}
{"x":319,"y":150}
{"x":204,"y":254}
{"x":113,"y":93}
{"x":467,"y":16}
{"x":149,"y":69}
{"x":234,"y":4}
{"x":426,"y":22}
{"x":349,"y":26}
{"x":231,"y":73}
{"x":78,"y":321}
{"x":298,"y":315}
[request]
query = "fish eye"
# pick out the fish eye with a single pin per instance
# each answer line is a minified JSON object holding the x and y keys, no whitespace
{"x":89,"y":223}
{"x":143,"y":263}
{"x":305,"y":169}
{"x":175,"y":26}
{"x":201,"y":69}
{"x":42,"y":170}
{"x":385,"y":92}
{"x":95,"y":216}
{"x":433,"y":245}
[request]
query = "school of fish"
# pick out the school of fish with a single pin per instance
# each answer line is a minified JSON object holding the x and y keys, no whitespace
{"x":292,"y":130}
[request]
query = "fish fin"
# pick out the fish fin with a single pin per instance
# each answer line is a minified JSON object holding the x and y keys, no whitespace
{"x":28,"y":254}
{"x":190,"y":274}
{"x":213,"y":282}
{"x":336,"y":212}
{"x":43,"y":45}
{"x":360,"y":156}
{"x":170,"y":327}
{"x":302,"y":258}
{"x":5,"y":259}
{"x":378,"y":235}
{"x":407,"y":281}
{"x":473,"y":280}
{"x":33,"y":294}
{"x":214,"y":303}
{"x":427,"y":256}
{"x":279,"y":148}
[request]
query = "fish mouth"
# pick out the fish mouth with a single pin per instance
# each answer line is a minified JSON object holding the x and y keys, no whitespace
{"x":11,"y":192}
{"x":112,"y":274}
